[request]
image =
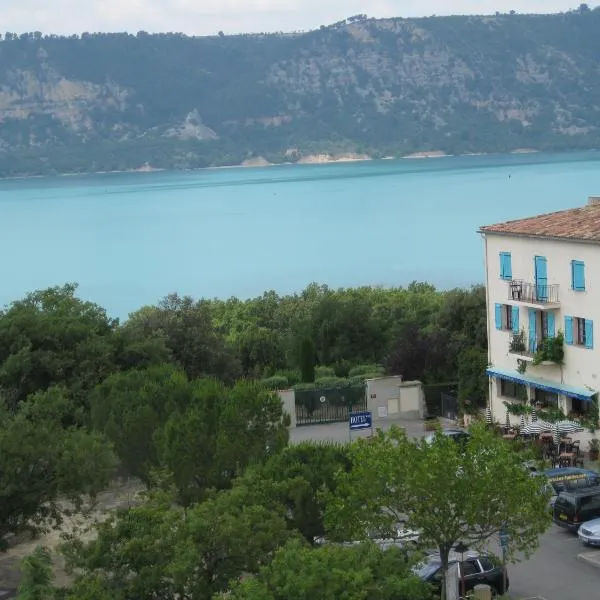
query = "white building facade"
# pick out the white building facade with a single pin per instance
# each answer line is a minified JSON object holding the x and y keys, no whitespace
{"x":543,"y":286}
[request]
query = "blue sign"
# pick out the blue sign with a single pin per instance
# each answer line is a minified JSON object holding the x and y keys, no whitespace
{"x":361,"y":420}
{"x":503,"y":539}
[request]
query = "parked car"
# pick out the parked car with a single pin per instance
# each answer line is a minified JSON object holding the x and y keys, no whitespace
{"x":459,"y":435}
{"x":474,"y":568}
{"x":403,"y":538}
{"x":574,"y":507}
{"x":589,"y":532}
{"x":569,"y":478}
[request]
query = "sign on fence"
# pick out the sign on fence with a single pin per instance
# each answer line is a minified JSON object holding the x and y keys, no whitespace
{"x":361,"y":420}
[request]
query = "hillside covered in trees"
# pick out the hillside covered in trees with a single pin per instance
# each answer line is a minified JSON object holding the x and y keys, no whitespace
{"x":386,"y":87}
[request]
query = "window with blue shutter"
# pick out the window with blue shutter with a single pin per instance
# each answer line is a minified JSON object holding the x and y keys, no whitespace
{"x":532,"y":330}
{"x":589,"y":333}
{"x":569,"y":330}
{"x":498,"y":316}
{"x":515,"y":319}
{"x":578,"y":275}
{"x":551,"y":324}
{"x":505,"y":265}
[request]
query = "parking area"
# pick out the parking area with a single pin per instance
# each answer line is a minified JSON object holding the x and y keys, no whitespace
{"x":557,"y":571}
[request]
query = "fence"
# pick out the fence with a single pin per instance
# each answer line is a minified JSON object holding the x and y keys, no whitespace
{"x":329,"y":405}
{"x":441,"y":399}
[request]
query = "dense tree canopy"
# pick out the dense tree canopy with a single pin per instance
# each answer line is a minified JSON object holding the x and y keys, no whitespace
{"x":361,"y":572}
{"x":181,"y":394}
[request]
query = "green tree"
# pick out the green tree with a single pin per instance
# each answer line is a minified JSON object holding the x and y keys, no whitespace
{"x":472,"y":379}
{"x":296,"y":479}
{"x":362,"y":572}
{"x":42,"y":462}
{"x":189,"y":332}
{"x":159,"y":551}
{"x":52,"y":337}
{"x":307,"y":360}
{"x":447,"y":492}
{"x":219,"y":434}
{"x":37,"y":576}
{"x":202,"y":432}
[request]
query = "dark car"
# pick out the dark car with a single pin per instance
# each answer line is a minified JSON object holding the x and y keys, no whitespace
{"x":574,"y":507}
{"x":568,"y":478}
{"x":459,"y":435}
{"x":475,"y":569}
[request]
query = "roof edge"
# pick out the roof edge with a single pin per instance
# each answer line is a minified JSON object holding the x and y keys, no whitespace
{"x":552,"y":238}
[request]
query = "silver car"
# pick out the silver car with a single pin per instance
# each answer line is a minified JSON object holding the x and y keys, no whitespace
{"x":589,"y":533}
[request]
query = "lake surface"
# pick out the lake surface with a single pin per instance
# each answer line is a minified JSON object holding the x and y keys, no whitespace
{"x":129,"y":239}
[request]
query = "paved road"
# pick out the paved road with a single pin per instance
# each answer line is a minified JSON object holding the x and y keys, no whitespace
{"x":553,"y":572}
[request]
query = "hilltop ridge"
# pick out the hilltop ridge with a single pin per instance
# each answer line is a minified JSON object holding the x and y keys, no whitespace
{"x":361,"y":87}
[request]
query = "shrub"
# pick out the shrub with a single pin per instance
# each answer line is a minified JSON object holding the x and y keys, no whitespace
{"x":322,"y":372}
{"x":277,"y":382}
{"x":367,"y":371}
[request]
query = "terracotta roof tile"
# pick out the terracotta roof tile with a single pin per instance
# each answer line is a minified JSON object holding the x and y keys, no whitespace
{"x":576,"y":224}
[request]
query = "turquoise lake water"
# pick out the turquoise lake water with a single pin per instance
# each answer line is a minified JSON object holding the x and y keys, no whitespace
{"x":130,"y":239}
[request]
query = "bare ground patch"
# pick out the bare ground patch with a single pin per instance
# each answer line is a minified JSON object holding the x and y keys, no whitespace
{"x":121,"y":494}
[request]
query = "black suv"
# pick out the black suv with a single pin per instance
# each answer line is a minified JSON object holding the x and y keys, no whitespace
{"x":574,"y":507}
{"x":475,"y":568}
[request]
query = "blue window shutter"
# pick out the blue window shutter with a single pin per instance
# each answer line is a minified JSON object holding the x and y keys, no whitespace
{"x":532,"y":330}
{"x":589,"y":333}
{"x":551,"y":325}
{"x":498,"y":316}
{"x":515,"y":319}
{"x":505,"y":265}
{"x":569,"y":330}
{"x":578,"y":275}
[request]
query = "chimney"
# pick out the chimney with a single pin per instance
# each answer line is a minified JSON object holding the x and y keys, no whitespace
{"x":594,"y":200}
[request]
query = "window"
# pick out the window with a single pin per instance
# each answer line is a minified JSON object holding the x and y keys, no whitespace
{"x":546,"y":398}
{"x":544,"y":323}
{"x":507,"y":317}
{"x":579,"y":332}
{"x":505,"y":265}
{"x":577,"y":275}
{"x":486,"y":564}
{"x":510,"y":389}
{"x":469,"y":567}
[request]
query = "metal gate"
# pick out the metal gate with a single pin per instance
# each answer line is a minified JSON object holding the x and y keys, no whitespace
{"x":441,"y":400}
{"x":329,"y":405}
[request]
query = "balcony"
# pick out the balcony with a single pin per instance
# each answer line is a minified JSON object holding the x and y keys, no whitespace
{"x":540,"y":351}
{"x":535,"y":295}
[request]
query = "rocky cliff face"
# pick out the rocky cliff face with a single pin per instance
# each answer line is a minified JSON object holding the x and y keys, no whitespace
{"x":395,"y":86}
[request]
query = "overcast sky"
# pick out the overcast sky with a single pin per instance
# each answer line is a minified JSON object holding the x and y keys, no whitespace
{"x":206,"y":17}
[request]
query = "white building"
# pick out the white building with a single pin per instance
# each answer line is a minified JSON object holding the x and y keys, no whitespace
{"x":543,"y":283}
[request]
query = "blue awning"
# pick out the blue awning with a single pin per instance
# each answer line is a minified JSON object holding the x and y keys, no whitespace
{"x":542,"y":384}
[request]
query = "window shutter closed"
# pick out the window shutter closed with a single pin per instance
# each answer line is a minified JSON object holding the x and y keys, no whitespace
{"x":532,"y":330}
{"x":515,"y":319}
{"x":569,"y":330}
{"x":578,"y":275}
{"x":498,"y":316}
{"x":589,"y":333}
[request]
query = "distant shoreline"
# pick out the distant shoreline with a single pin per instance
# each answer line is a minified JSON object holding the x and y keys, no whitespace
{"x":261,"y":162}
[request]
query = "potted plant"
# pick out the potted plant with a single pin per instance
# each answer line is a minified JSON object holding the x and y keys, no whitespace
{"x":517,"y":343}
{"x":594,"y":449}
{"x":550,"y":349}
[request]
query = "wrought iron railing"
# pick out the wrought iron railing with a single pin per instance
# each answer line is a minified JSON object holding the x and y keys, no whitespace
{"x":523,"y":291}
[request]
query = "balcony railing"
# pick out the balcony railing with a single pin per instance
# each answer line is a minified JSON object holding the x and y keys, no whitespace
{"x":537,"y":293}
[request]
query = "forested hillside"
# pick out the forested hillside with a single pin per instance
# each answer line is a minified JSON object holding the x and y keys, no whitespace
{"x":376,"y":87}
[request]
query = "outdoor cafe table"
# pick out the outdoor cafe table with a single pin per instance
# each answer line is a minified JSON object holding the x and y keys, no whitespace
{"x":570,"y":456}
